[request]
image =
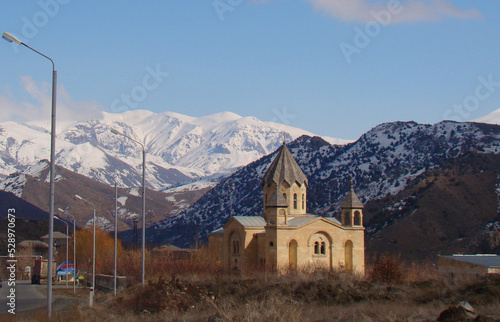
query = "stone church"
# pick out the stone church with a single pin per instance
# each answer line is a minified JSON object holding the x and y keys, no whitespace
{"x":286,"y":236}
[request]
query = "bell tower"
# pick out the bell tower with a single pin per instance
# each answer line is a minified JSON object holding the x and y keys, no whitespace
{"x":352,"y":210}
{"x":284,"y":189}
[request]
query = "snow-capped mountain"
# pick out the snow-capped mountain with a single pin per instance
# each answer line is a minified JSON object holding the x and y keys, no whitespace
{"x":383,"y":162}
{"x":492,"y":118}
{"x":178,"y":148}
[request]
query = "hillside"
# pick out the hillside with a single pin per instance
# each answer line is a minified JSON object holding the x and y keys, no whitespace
{"x":33,"y":188}
{"x":451,"y":209}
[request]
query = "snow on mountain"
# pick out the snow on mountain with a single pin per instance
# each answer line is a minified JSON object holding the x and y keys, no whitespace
{"x":492,"y":118}
{"x":179,"y":148}
{"x":383,"y":162}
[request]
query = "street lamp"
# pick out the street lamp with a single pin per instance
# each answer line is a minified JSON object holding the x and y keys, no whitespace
{"x":11,"y":38}
{"x":67,"y":244}
{"x":116,"y":231}
{"x":143,"y":201}
{"x":91,"y":297}
{"x":74,"y":248}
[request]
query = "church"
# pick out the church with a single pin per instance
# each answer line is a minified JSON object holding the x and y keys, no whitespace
{"x":286,"y":236}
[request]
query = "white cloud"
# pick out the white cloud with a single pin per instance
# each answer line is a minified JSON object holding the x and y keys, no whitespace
{"x":362,"y":11}
{"x":38,"y":106}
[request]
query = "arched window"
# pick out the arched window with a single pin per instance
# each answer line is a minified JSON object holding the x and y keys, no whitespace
{"x":234,"y":244}
{"x":284,"y":196}
{"x":303,"y":202}
{"x":348,"y":255}
{"x":236,"y":247}
{"x":347,"y":218}
{"x":323,"y":248}
{"x":316,"y":248}
{"x":294,"y":201}
{"x":357,"y":218}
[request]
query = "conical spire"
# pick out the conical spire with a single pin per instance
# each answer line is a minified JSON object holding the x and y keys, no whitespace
{"x":351,"y":200}
{"x":284,"y":168}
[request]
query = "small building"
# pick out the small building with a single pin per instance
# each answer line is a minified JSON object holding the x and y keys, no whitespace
{"x":34,"y":247}
{"x":173,"y":253}
{"x":460,"y":267}
{"x":285,"y":235}
{"x":58,"y":238}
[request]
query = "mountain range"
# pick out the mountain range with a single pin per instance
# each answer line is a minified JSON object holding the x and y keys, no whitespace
{"x":186,"y":156}
{"x":179,"y":148}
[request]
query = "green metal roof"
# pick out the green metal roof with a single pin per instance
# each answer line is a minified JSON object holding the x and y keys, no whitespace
{"x":486,"y":260}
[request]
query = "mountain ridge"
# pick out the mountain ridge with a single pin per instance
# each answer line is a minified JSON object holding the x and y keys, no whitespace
{"x":179,"y":148}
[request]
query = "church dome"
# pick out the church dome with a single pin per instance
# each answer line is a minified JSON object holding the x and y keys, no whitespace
{"x":284,"y":168}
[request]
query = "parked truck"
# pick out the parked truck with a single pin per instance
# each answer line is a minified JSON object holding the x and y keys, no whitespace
{"x":40,"y":270}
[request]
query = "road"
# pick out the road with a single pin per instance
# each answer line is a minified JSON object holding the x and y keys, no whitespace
{"x":27,"y":296}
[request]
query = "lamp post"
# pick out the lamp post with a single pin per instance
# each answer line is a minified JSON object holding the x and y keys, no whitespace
{"x":74,"y":248}
{"x":91,"y":297}
{"x":116,"y":237}
{"x":116,"y":232}
{"x":67,"y":246}
{"x":11,"y":38}
{"x":143,"y":201}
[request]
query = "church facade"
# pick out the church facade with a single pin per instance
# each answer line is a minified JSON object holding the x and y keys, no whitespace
{"x":286,"y":236}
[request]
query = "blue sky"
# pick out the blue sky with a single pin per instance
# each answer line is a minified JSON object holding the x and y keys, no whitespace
{"x":332,"y":67}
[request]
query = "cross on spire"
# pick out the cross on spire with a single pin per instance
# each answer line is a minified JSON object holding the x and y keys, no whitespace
{"x":284,"y":137}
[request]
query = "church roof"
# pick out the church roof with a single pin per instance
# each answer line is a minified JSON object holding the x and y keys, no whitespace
{"x":55,"y":235}
{"x":333,"y":220}
{"x":251,"y":221}
{"x":276,"y":199}
{"x":351,"y":200}
{"x":300,"y":221}
{"x":284,"y":168}
{"x":219,"y":231}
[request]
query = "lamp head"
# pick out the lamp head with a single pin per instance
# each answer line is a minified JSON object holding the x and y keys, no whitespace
{"x":11,"y":38}
{"x":78,"y":197}
{"x":116,"y":132}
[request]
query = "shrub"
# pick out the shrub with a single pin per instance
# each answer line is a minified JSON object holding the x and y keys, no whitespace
{"x":387,"y":269}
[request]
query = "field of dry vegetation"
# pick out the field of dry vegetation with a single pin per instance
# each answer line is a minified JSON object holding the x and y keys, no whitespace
{"x":200,"y":290}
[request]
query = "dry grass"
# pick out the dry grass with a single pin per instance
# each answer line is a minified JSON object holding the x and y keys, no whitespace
{"x":201,"y":290}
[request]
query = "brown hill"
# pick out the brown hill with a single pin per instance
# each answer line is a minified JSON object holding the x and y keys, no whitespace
{"x":452,"y":208}
{"x":159,"y":205}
